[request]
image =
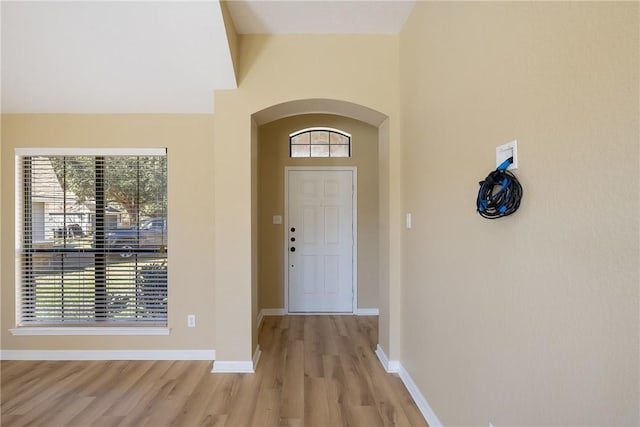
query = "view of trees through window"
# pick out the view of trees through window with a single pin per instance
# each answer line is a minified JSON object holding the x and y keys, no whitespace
{"x":94,"y":239}
{"x":132,"y":184}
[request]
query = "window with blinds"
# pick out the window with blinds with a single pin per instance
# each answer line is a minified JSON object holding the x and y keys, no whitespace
{"x":92,"y":237}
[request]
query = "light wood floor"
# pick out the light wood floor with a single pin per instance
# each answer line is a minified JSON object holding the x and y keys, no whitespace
{"x":314,"y":371}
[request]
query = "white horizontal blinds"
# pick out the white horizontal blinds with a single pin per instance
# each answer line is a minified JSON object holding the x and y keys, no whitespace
{"x":93,"y":239}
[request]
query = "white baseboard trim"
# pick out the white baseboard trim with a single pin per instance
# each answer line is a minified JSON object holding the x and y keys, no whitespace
{"x":420,"y":400}
{"x":270,"y":312}
{"x":256,"y":357}
{"x":233,"y":367}
{"x":320,"y":313}
{"x":368,"y":312}
{"x":391,"y":366}
{"x":237,"y":366}
{"x":107,"y":354}
{"x":394,"y":366}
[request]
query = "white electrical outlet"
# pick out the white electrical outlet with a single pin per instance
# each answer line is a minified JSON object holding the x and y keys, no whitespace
{"x":191,"y":320}
{"x":504,"y":151}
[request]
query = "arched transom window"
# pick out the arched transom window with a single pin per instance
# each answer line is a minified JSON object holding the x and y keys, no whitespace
{"x":320,"y":142}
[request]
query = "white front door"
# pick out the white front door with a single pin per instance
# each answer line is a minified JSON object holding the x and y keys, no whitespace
{"x":320,"y":240}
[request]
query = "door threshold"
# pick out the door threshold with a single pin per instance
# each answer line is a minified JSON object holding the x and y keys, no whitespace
{"x":321,"y":313}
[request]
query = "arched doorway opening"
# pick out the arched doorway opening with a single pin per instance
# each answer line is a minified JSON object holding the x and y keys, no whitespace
{"x":268,"y":242}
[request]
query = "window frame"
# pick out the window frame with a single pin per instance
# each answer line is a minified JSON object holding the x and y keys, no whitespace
{"x":73,"y":328}
{"x":310,"y":131}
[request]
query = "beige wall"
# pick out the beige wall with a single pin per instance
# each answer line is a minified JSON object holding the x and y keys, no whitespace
{"x":232,"y":36}
{"x":273,"y":158}
{"x":1,"y":232}
{"x":188,"y":139}
{"x":388,"y":252}
{"x":530,"y":319}
{"x":255,"y":235}
{"x":358,"y":69}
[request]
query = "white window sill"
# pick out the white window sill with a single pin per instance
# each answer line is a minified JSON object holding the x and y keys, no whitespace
{"x":65,"y":330}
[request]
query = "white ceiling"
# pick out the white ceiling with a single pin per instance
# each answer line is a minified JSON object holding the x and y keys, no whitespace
{"x":151,"y":56}
{"x":111,"y":57}
{"x":320,"y":16}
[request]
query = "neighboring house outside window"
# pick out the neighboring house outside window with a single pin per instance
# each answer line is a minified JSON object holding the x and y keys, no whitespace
{"x":320,"y":142}
{"x":92,"y":237}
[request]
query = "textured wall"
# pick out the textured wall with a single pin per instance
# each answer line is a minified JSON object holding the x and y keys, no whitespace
{"x":191,"y":232}
{"x":530,"y":319}
{"x":358,"y":69}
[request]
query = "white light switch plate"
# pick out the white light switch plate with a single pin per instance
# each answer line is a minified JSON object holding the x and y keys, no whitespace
{"x":504,"y":151}
{"x":408,"y":221}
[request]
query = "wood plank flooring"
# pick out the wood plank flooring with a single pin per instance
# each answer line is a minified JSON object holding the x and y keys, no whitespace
{"x":314,"y":371}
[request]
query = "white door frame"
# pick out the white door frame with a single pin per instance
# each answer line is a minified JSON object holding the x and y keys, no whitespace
{"x":354,"y":214}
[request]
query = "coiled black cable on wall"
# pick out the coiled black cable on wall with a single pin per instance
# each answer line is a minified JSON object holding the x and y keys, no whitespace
{"x":500,"y":193}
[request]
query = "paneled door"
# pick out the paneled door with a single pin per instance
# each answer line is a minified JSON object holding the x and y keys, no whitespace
{"x":320,"y":240}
